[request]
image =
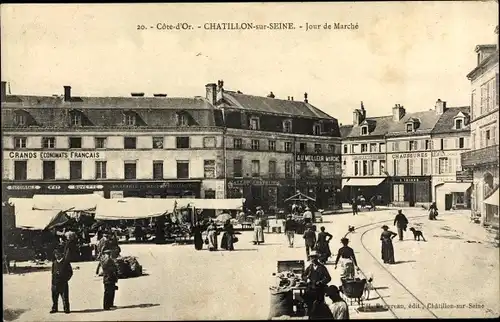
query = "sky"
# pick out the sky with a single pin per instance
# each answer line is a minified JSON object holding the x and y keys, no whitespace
{"x":410,"y":53}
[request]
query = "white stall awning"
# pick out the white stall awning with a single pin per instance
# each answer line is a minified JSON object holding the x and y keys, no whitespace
{"x":358,"y":182}
{"x":217,"y":204}
{"x":84,"y":202}
{"x":455,"y":186}
{"x":493,"y":199}
{"x":133,"y":208}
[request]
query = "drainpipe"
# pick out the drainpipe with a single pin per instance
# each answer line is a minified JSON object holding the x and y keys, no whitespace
{"x":295,"y":164}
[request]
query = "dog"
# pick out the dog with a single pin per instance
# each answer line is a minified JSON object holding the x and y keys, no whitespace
{"x":351,"y":229}
{"x":417,"y":234}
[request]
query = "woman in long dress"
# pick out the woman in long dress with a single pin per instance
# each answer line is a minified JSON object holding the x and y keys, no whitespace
{"x":347,"y":260}
{"x":212,"y":236}
{"x":198,"y":239}
{"x":227,"y":238}
{"x":258,"y":231}
{"x":323,"y":247}
{"x":387,"y":248}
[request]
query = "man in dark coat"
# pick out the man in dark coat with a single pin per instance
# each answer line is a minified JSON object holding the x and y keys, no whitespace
{"x":354,"y":205}
{"x":317,"y":277}
{"x":109,"y":279}
{"x":400,"y":222}
{"x":61,"y":274}
{"x":309,"y":238}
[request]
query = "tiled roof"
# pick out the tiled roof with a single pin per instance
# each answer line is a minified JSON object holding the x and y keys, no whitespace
{"x":49,"y":111}
{"x":345,"y":130}
{"x":273,"y":105}
{"x":445,"y":124}
{"x":427,"y":121}
{"x":377,"y":126}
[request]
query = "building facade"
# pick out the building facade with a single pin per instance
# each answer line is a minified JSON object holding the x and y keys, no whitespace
{"x":138,"y":146}
{"x":276,"y":147}
{"x":483,"y":159}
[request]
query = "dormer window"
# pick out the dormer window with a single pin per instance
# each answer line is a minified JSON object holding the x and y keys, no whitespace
{"x":20,"y":119}
{"x":287,"y":126}
{"x":254,"y":123}
{"x":317,"y":129}
{"x":459,"y":123}
{"x":364,"y":130}
{"x":130,"y":119}
{"x":409,"y":127}
{"x":75,"y":118}
{"x":182,"y":119}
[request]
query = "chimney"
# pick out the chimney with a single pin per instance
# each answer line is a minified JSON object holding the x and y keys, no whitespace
{"x":220,"y":84}
{"x":160,"y":95}
{"x":4,"y":91}
{"x":137,"y":94}
{"x":305,"y":98}
{"x":67,"y":93}
{"x":211,"y":93}
{"x":291,"y":98}
{"x":398,"y":112}
{"x":363,"y":111}
{"x":288,"y":98}
{"x":440,"y":106}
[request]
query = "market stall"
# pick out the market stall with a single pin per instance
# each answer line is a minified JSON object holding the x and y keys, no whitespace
{"x":288,"y":291}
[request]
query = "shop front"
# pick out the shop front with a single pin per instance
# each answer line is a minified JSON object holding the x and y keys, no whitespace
{"x":107,"y":189}
{"x":453,"y":195}
{"x":366,"y":187}
{"x":269,"y":194}
{"x":411,"y":191}
{"x":325,"y":191}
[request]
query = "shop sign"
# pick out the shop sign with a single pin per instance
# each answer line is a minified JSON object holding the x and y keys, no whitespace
{"x":464,"y":175}
{"x":23,"y":187}
{"x":53,"y":155}
{"x":317,"y":158}
{"x":444,"y":153}
{"x":54,"y":187}
{"x":411,"y":179}
{"x":85,"y":187}
{"x":410,"y":155}
{"x":116,"y":194}
{"x":369,"y":157}
{"x":252,"y":182}
{"x":159,"y":185}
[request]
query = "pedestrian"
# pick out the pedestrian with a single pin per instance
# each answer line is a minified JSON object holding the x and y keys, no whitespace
{"x":310,"y":239}
{"x":308,"y":216}
{"x":258,"y":230}
{"x":227,"y":241}
{"x":387,"y":248}
{"x":347,"y":260}
{"x":198,"y":238}
{"x":372,"y":202}
{"x":433,"y":211}
{"x":61,"y":274}
{"x":290,"y":227}
{"x":102,"y":244}
{"x":317,"y":277}
{"x":109,"y":279}
{"x":212,"y":236}
{"x":339,"y":307}
{"x":354,"y":205}
{"x":322,"y":246}
{"x":401,"y":222}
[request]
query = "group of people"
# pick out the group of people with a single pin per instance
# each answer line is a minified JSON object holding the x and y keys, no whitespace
{"x":212,"y":232}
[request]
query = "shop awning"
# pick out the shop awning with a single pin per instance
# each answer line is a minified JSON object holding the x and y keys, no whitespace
{"x":217,"y":204}
{"x":493,"y":199}
{"x":133,"y":208}
{"x":84,"y":202}
{"x":362,"y":182}
{"x":456,"y":186}
{"x":39,"y":219}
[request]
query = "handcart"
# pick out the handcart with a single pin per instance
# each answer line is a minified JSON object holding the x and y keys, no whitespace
{"x":354,"y":290}
{"x":288,"y":300}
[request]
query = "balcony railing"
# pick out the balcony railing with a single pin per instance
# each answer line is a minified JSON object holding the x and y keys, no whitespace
{"x":488,"y":155}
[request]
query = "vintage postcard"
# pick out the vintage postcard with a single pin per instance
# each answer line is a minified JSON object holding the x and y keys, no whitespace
{"x":239,"y":161}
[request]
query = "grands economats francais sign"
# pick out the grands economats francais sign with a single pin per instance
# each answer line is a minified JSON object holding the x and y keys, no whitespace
{"x":53,"y":155}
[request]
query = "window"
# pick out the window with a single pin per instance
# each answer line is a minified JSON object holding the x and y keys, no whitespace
{"x":130,"y":119}
{"x":398,"y":192}
{"x":49,"y":170}
{"x":354,"y":148}
{"x":428,"y":144}
{"x":381,"y":147}
{"x":371,"y":168}
{"x":413,"y":145}
{"x":272,"y":145}
{"x":182,"y":142}
{"x":364,"y":130}
{"x":158,"y":142}
{"x":209,"y":142}
{"x":317,"y":129}
{"x":158,"y":169}
{"x":317,"y":148}
{"x":459,"y":124}
{"x":409,"y":127}
{"x":345,"y":148}
{"x":75,"y":119}
{"x":317,"y":169}
{"x":209,"y":169}
{"x":409,"y":167}
{"x":182,"y":119}
{"x":373,"y":147}
{"x":20,"y":142}
{"x":272,"y":169}
{"x":254,"y":123}
{"x":461,"y":143}
{"x":48,"y":143}
{"x":288,"y":146}
{"x":237,"y":143}
{"x":365,"y":168}
{"x":395,"y":166}
{"x":182,"y":169}
{"x":100,"y":169}
{"x":424,"y":165}
{"x":75,"y":170}
{"x":130,"y":142}
{"x":303,"y":168}
{"x":237,"y":169}
{"x":364,"y":147}
{"x":20,"y":170}
{"x":443,"y":165}
{"x":255,"y":168}
{"x":356,"y":168}
{"x":20,"y":119}
{"x":255,"y":145}
{"x":331,"y":148}
{"x":395,"y":146}
{"x":303,"y":147}
{"x":100,"y":143}
{"x":381,"y":168}
{"x":75,"y":143}
{"x":130,"y":170}
{"x":443,"y":143}
{"x":287,"y":126}
{"x":288,"y":169}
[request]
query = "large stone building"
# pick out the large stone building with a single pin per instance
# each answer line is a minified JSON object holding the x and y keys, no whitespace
{"x":114,"y":146}
{"x":274,"y":147}
{"x":483,"y":159}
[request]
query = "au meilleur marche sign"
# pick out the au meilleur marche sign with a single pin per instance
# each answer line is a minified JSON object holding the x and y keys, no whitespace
{"x":317,"y":158}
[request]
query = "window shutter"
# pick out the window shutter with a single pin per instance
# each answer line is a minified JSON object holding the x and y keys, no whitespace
{"x":451,"y":165}
{"x":436,"y":166}
{"x":496,"y":90}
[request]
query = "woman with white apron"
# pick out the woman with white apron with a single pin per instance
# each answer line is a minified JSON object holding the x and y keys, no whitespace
{"x":347,"y":260}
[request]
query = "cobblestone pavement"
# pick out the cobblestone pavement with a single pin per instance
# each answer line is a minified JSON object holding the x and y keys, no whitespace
{"x":182,"y":283}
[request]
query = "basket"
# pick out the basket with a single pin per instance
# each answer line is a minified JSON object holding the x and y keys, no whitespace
{"x":353,"y":289}
{"x":295,"y":266}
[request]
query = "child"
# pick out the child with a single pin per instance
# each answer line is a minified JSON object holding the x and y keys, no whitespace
{"x":61,"y":274}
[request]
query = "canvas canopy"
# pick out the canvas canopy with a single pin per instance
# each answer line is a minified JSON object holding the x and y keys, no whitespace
{"x":216,"y":204}
{"x":300,"y":197}
{"x":132,"y":208}
{"x":84,"y":202}
{"x":28,"y":218}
